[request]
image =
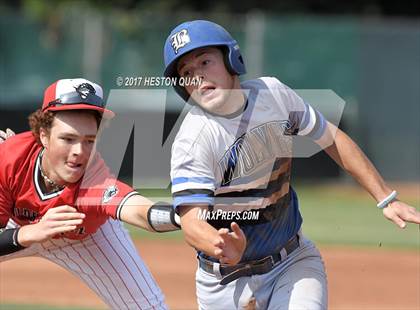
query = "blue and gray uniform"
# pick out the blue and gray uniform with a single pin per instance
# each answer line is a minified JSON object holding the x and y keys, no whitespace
{"x":242,"y":162}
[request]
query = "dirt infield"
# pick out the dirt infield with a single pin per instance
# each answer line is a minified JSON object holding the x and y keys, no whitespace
{"x":357,"y":278}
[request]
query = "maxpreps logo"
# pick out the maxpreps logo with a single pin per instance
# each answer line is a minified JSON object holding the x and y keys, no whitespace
{"x":180,"y":39}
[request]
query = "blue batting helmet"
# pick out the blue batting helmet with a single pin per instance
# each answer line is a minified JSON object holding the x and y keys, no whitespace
{"x":189,"y":36}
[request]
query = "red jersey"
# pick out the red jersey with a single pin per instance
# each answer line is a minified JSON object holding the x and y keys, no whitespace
{"x":98,"y":194}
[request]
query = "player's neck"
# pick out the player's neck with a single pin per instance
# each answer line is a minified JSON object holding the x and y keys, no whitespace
{"x":50,"y":184}
{"x":235,"y":103}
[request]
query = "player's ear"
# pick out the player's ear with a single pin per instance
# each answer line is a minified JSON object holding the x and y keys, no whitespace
{"x":43,"y":137}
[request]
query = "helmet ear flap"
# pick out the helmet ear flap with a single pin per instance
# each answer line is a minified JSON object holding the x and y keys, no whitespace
{"x":233,"y":60}
{"x":226,"y":60}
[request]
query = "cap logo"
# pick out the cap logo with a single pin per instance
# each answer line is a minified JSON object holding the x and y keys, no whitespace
{"x":85,"y":89}
{"x":180,"y":39}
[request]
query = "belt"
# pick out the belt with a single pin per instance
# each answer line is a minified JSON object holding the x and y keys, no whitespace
{"x":246,"y":269}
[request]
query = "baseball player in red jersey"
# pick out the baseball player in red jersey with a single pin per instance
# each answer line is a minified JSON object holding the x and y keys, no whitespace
{"x":46,"y":212}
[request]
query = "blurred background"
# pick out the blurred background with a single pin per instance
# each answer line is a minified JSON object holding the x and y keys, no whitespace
{"x":367,"y":52}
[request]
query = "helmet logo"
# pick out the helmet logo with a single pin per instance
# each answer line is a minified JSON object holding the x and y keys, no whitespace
{"x":180,"y":39}
{"x":85,"y":89}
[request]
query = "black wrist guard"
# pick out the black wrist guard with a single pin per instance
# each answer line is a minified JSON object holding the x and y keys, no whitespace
{"x":162,"y":217}
{"x":8,"y":241}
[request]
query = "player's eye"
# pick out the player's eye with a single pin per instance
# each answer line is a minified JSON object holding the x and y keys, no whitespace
{"x":205,"y":62}
{"x":67,"y":139}
{"x":186,"y":73}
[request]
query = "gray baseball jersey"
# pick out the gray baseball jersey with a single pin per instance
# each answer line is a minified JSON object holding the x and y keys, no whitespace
{"x":243,"y":162}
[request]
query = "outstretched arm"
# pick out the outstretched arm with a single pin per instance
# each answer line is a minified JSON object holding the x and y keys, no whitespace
{"x":350,"y":157}
{"x":144,"y":213}
{"x":222,"y":244}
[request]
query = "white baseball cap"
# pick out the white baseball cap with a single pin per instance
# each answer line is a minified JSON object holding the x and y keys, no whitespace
{"x":75,"y":94}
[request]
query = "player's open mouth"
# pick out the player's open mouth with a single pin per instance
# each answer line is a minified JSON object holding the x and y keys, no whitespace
{"x":74,"y":166}
{"x":206,"y":90}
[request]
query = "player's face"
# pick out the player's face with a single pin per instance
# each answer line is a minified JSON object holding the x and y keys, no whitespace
{"x":218,"y":87}
{"x":68,"y":146}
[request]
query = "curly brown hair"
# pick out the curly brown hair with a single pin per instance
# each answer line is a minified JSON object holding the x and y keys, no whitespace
{"x":39,"y":119}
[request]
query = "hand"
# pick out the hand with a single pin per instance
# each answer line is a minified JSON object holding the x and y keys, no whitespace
{"x":400,"y":213}
{"x":4,"y":135}
{"x":56,"y":221}
{"x":231,"y":245}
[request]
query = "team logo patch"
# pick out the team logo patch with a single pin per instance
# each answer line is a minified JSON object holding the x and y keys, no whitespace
{"x":85,"y":89}
{"x":180,"y":39}
{"x":109,"y":193}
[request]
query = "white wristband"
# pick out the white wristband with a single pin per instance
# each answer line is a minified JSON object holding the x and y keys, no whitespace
{"x":384,"y":203}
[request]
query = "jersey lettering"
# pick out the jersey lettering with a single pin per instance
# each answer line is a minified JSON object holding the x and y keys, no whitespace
{"x":25,"y":214}
{"x":259,"y":145}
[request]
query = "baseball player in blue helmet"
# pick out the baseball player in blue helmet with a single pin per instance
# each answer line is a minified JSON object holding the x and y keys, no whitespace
{"x":230,"y":171}
{"x":197,"y":34}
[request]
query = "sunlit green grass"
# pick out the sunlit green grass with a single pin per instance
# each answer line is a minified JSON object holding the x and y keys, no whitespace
{"x":347,"y":218}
